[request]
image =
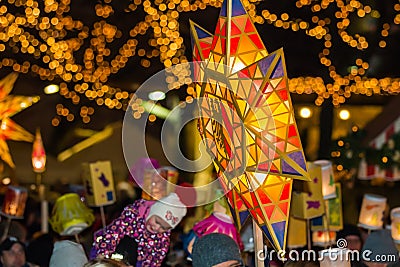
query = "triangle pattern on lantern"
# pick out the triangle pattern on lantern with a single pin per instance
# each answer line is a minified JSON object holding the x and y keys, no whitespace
{"x":9,"y":106}
{"x":247,"y":121}
{"x":235,"y":32}
{"x":269,"y":206}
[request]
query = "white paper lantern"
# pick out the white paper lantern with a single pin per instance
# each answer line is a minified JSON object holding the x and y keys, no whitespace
{"x":335,"y":257}
{"x":395,"y":218}
{"x":328,"y":181}
{"x":371,"y":214}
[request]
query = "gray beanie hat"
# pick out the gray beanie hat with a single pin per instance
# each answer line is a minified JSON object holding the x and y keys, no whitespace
{"x":380,"y":246}
{"x":213,"y":249}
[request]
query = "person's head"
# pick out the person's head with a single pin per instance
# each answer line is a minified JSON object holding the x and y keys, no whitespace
{"x":165,"y":214}
{"x":104,"y":263}
{"x":379,"y":249}
{"x":216,"y":250}
{"x":12,"y":252}
{"x":352,"y":234}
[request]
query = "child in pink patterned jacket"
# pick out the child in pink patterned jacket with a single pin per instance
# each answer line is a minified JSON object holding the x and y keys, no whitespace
{"x":149,"y":224}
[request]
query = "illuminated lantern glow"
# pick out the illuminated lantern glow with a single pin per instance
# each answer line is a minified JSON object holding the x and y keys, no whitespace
{"x":328,"y":181}
{"x":323,"y":238}
{"x":14,"y":202}
{"x":158,"y":183}
{"x":38,"y":154}
{"x":395,"y":218}
{"x":371,"y":214}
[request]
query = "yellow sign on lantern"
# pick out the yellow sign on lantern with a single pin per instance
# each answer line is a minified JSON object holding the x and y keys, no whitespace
{"x":310,"y":203}
{"x":99,"y":183}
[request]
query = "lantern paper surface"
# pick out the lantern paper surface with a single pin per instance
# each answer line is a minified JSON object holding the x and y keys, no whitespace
{"x":14,"y":202}
{"x":371,"y":214}
{"x":297,"y":233}
{"x":395,"y":218}
{"x":335,"y":257}
{"x":247,"y":120}
{"x":99,"y":183}
{"x":333,"y":218}
{"x":9,"y":106}
{"x":328,"y":181}
{"x":70,"y":216}
{"x":323,"y":238}
{"x":38,"y":154}
{"x":310,"y":203}
{"x":158,"y":183}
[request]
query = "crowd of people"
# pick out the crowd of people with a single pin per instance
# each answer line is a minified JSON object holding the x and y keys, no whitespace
{"x":150,"y":233}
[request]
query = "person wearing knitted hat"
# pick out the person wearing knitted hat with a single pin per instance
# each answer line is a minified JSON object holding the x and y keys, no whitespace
{"x":216,"y":250}
{"x":379,"y":249}
{"x":143,"y":228}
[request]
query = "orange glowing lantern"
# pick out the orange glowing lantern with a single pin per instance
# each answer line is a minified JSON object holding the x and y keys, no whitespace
{"x":38,"y":154}
{"x":14,"y":202}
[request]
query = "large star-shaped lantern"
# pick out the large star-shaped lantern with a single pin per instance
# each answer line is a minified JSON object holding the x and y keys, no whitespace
{"x":247,"y":120}
{"x":9,"y":106}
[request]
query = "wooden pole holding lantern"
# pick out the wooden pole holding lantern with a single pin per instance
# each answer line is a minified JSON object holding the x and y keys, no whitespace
{"x":39,"y":166}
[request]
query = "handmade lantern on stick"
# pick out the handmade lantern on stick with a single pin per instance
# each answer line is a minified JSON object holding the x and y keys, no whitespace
{"x":328,"y":181}
{"x":70,"y":216}
{"x":309,"y":203}
{"x":323,"y":238}
{"x":247,"y":120}
{"x":38,"y":156}
{"x":13,"y":205}
{"x":99,"y":185}
{"x":395,"y":218}
{"x":333,"y":218}
{"x":158,"y":183}
{"x":39,"y":166}
{"x":371,"y":214}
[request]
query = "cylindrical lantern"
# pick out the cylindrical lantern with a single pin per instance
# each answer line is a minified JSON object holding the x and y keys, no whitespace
{"x":70,"y":216}
{"x":14,"y":202}
{"x":371,"y":214}
{"x":395,"y":218}
{"x":38,"y":154}
{"x":171,"y":175}
{"x":328,"y":181}
{"x":323,"y":238}
{"x":158,"y":183}
{"x":335,"y":257}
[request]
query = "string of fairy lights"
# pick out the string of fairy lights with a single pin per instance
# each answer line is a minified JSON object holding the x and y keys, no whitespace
{"x":52,"y":44}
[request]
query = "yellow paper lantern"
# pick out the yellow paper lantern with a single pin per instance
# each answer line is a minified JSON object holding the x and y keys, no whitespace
{"x":310,"y":203}
{"x":335,"y":257}
{"x":297,"y":233}
{"x":70,"y":216}
{"x":99,"y":183}
{"x":395,"y":218}
{"x":328,"y":181}
{"x":371,"y":214}
{"x":14,"y":202}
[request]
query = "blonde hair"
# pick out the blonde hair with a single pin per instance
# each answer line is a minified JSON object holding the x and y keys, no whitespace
{"x":104,"y":263}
